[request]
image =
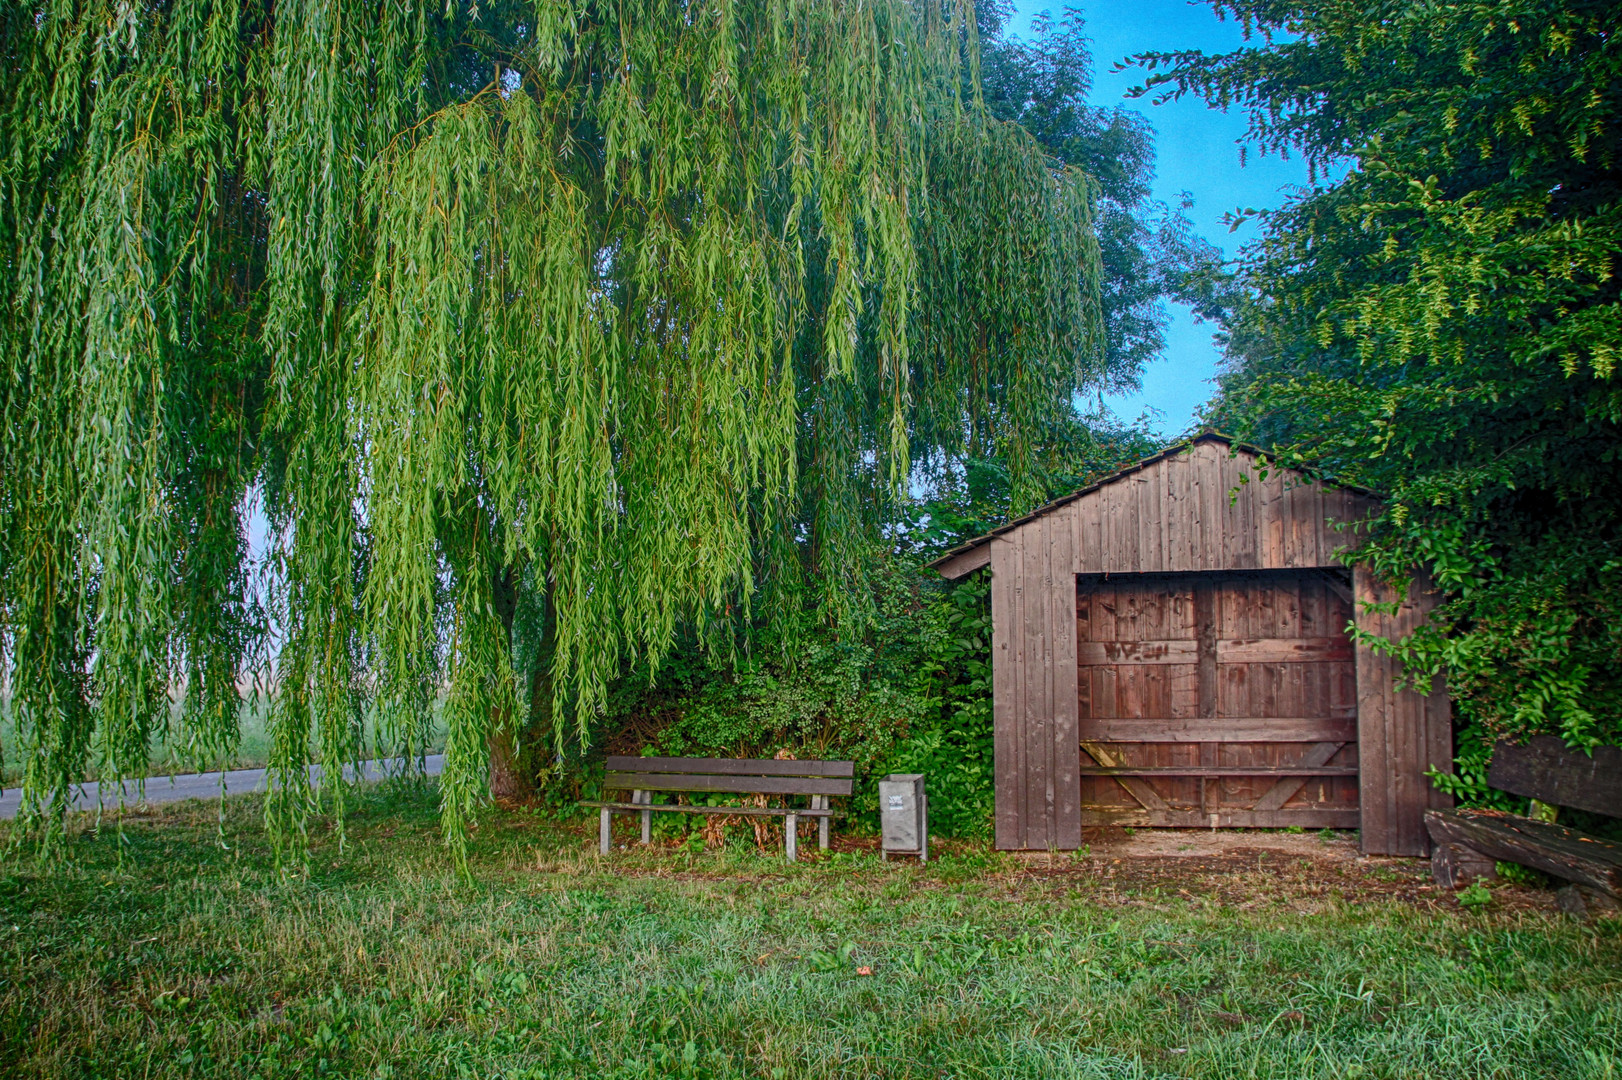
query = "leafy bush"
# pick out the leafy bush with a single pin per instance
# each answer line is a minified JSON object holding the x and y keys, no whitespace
{"x":1529,"y":644}
{"x":954,"y":750}
{"x":910,"y":691}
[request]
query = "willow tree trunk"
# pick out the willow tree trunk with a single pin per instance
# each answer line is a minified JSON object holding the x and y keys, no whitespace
{"x":509,"y":779}
{"x":519,"y":751}
{"x":510,"y":774}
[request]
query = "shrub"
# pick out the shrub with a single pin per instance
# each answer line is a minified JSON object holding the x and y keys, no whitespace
{"x":908,"y":691}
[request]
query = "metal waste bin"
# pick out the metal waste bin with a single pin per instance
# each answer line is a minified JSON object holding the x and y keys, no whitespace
{"x":904,"y":816}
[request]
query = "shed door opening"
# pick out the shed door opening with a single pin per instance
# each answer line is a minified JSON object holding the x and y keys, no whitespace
{"x":1219,"y":699}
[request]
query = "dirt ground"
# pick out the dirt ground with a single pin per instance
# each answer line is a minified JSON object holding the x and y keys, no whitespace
{"x":1241,"y":869}
{"x":1256,"y":869}
{"x":1245,"y":870}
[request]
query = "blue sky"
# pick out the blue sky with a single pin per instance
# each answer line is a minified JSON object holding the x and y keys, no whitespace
{"x":1198,"y":152}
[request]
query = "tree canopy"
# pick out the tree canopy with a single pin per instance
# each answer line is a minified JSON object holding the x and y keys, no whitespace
{"x":1148,"y":256}
{"x":538,"y":330}
{"x":1442,"y":323}
{"x":1149,"y":251}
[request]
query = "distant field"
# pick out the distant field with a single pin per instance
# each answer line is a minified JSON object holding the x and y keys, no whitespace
{"x":252,"y":752}
{"x":186,"y":958}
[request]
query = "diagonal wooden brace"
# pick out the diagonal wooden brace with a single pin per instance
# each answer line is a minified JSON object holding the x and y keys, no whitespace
{"x":1139,"y":789}
{"x":1280,"y":793}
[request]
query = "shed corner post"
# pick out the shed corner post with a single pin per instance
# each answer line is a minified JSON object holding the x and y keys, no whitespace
{"x":1400,"y":733}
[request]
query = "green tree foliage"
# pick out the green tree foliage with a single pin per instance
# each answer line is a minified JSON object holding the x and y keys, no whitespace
{"x":907,"y":688}
{"x":1148,"y":250}
{"x":1442,"y":323}
{"x":542,"y":329}
{"x":977,"y":494}
{"x":955,"y":751}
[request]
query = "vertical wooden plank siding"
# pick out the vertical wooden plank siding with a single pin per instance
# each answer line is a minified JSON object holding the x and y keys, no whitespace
{"x":1098,"y":519}
{"x":1402,"y":733}
{"x":1359,"y":508}
{"x":1213,"y":500}
{"x":1337,"y":512}
{"x":1152,"y":522}
{"x":1006,"y":636}
{"x":1113,"y":560}
{"x":1131,"y":509}
{"x":1238,"y":534}
{"x":1171,"y":509}
{"x":1310,"y":525}
{"x":1025,"y":661}
{"x":1247,"y":554}
{"x":1296,"y":507}
{"x":1193,"y":555}
{"x":1035,"y":692}
{"x":1181,"y":475}
{"x":1066,"y":829}
{"x":1038,"y":704}
{"x":1206,"y":510}
{"x":1373,"y":715}
{"x":1272,"y":524}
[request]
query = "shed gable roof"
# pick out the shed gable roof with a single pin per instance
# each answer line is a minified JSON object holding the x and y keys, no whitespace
{"x":1197,"y":505}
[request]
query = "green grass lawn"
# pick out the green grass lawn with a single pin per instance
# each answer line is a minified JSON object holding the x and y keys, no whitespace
{"x":181,"y":958}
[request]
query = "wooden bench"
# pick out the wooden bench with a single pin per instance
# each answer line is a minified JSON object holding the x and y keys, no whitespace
{"x":643,"y":776}
{"x":1467,"y":844}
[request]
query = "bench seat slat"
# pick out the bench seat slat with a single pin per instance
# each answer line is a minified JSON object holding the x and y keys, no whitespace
{"x":740,"y":776}
{"x":730,"y":766}
{"x":1556,"y":850}
{"x":755,"y":785}
{"x":748,"y":811}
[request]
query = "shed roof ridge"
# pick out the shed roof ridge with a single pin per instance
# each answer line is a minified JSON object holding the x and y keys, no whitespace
{"x":1208,"y":435}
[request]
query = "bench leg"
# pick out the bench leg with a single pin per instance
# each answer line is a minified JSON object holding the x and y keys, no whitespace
{"x":791,"y":836}
{"x":820,"y":802}
{"x":647,"y":815}
{"x":603,"y":831}
{"x":1454,"y":865}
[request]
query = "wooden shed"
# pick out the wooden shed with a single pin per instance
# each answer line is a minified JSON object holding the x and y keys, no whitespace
{"x":1170,"y":649}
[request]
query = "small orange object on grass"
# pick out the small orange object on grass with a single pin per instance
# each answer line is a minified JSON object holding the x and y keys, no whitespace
{"x":864,"y":971}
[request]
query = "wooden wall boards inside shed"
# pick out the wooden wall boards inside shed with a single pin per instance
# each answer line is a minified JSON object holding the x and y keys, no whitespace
{"x":1169,"y":648}
{"x":1217,"y":699}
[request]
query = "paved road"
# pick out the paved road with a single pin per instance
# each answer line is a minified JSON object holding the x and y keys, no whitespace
{"x":164,"y":789}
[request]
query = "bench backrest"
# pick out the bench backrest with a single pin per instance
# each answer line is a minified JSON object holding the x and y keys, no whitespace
{"x":757,"y":776}
{"x":1545,"y":770}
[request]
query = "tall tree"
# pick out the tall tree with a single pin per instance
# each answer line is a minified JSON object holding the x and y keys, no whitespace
{"x":541,"y":327}
{"x":1443,"y":323}
{"x":1149,"y":258}
{"x":1150,"y":254}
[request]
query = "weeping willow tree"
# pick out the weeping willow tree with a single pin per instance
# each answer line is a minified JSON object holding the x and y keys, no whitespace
{"x":541,"y":331}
